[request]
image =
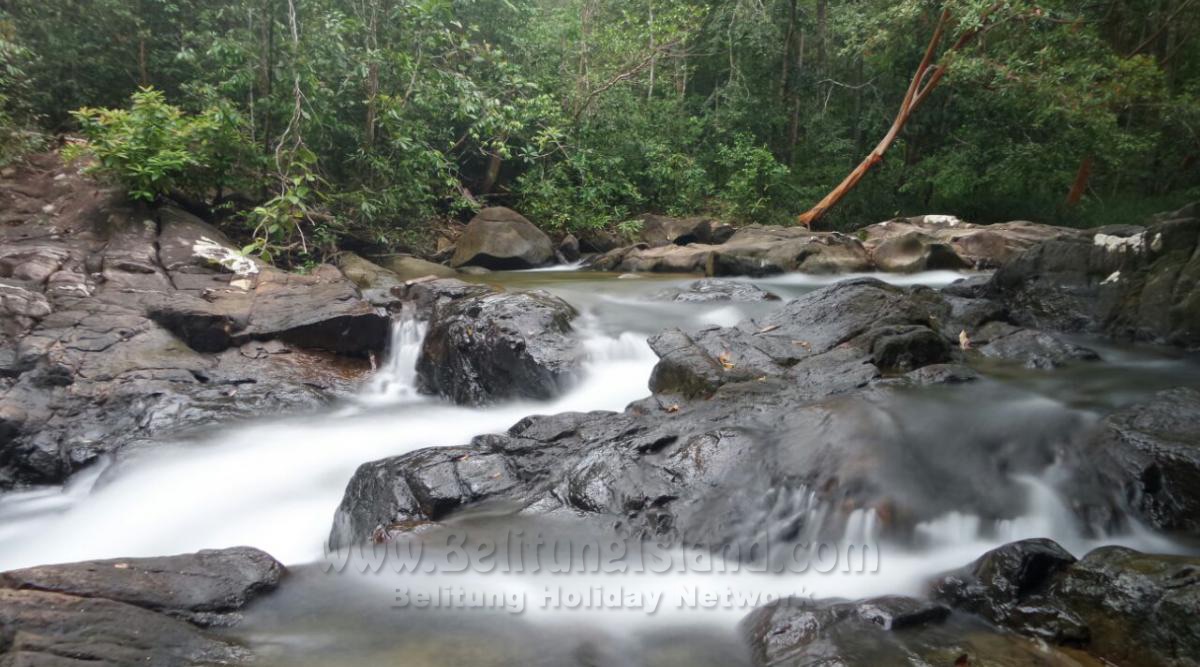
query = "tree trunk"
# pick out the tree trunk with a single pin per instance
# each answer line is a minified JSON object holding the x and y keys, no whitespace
{"x":1081,"y":181}
{"x":926,"y":78}
{"x":372,"y":76}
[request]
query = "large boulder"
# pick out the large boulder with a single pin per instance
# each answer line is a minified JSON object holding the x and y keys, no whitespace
{"x":121,"y":323}
{"x":131,"y":611}
{"x":1131,"y":282}
{"x":1121,"y":606}
{"x":931,"y":242}
{"x":499,"y":346}
{"x":1151,"y":452}
{"x":660,"y":230}
{"x":499,"y":238}
{"x":206,"y":588}
{"x":756,"y":250}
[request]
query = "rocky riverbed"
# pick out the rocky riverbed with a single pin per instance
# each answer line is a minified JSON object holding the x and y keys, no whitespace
{"x":195,"y":400}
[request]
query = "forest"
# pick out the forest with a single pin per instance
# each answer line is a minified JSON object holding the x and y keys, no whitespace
{"x":307,"y":126}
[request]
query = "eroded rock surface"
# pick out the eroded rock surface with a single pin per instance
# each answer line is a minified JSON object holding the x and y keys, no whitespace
{"x":782,"y":425}
{"x":131,"y":611}
{"x":1139,"y":283}
{"x":1117,"y":604}
{"x":119,"y":323}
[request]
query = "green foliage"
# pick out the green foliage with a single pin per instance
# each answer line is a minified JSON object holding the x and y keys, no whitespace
{"x":18,"y":135}
{"x":154,"y":148}
{"x":368,"y":122}
{"x":754,"y":181}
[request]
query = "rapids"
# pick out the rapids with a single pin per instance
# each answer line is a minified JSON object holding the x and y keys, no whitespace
{"x":274,"y":484}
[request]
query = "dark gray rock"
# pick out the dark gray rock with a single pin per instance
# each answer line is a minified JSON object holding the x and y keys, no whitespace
{"x":1133,"y":283}
{"x":1032,"y":349}
{"x":1119,"y":605}
{"x":793,"y":426}
{"x":499,"y":346}
{"x":120,"y":323}
{"x":1151,"y":452}
{"x":499,"y":238}
{"x":891,"y":630}
{"x":716,"y":289}
{"x":568,"y":249}
{"x":204,"y":587}
{"x":40,"y":628}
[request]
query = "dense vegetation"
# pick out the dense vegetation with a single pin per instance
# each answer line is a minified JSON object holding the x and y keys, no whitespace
{"x":312,"y":123}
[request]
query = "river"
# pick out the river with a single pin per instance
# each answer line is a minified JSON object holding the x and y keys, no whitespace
{"x":274,"y":484}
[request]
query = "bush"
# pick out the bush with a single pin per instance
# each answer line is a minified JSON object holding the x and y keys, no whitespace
{"x":153,"y":148}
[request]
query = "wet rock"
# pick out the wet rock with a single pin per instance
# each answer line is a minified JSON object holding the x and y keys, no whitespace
{"x":1151,"y":452}
{"x":501,"y":239}
{"x":1130,"y":282}
{"x":568,"y":249}
{"x":933,"y":242}
{"x":40,"y":628}
{"x":1008,"y":586}
{"x":716,"y":289}
{"x":1140,"y":608}
{"x":321,"y":310}
{"x":1033,"y":349}
{"x":892,"y":630}
{"x":203,"y":587}
{"x":499,"y":346}
{"x":778,"y":427}
{"x":424,"y":294}
{"x":120,"y":323}
{"x":694,"y":364}
{"x":943,"y":374}
{"x":1119,"y":605}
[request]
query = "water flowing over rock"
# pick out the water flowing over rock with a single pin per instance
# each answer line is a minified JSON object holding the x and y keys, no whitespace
{"x":499,"y":238}
{"x":131,"y":611}
{"x":715,"y":289}
{"x":1140,"y":283}
{"x":1152,"y":452}
{"x":118,"y":323}
{"x":499,"y":346}
{"x":783,"y":425}
{"x":1119,"y":605}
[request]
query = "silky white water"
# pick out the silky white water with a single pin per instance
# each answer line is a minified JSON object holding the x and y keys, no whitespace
{"x":274,"y":484}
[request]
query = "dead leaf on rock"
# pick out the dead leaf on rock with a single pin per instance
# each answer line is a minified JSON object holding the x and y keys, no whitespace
{"x":768,"y":329}
{"x":674,"y":407}
{"x":726,"y":360}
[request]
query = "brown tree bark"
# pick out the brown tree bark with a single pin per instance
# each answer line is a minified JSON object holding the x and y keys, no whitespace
{"x":1079,"y":186}
{"x":924,"y":81}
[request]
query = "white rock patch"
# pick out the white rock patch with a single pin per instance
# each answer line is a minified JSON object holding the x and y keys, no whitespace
{"x":1113,"y":279}
{"x":1113,"y":243}
{"x":206,"y":248}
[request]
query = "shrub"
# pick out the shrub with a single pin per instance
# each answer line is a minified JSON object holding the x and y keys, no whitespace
{"x":154,"y":148}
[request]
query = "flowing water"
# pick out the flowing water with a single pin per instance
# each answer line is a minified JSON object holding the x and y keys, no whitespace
{"x":274,"y":484}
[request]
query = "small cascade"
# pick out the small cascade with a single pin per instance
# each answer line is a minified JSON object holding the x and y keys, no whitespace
{"x":395,"y":381}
